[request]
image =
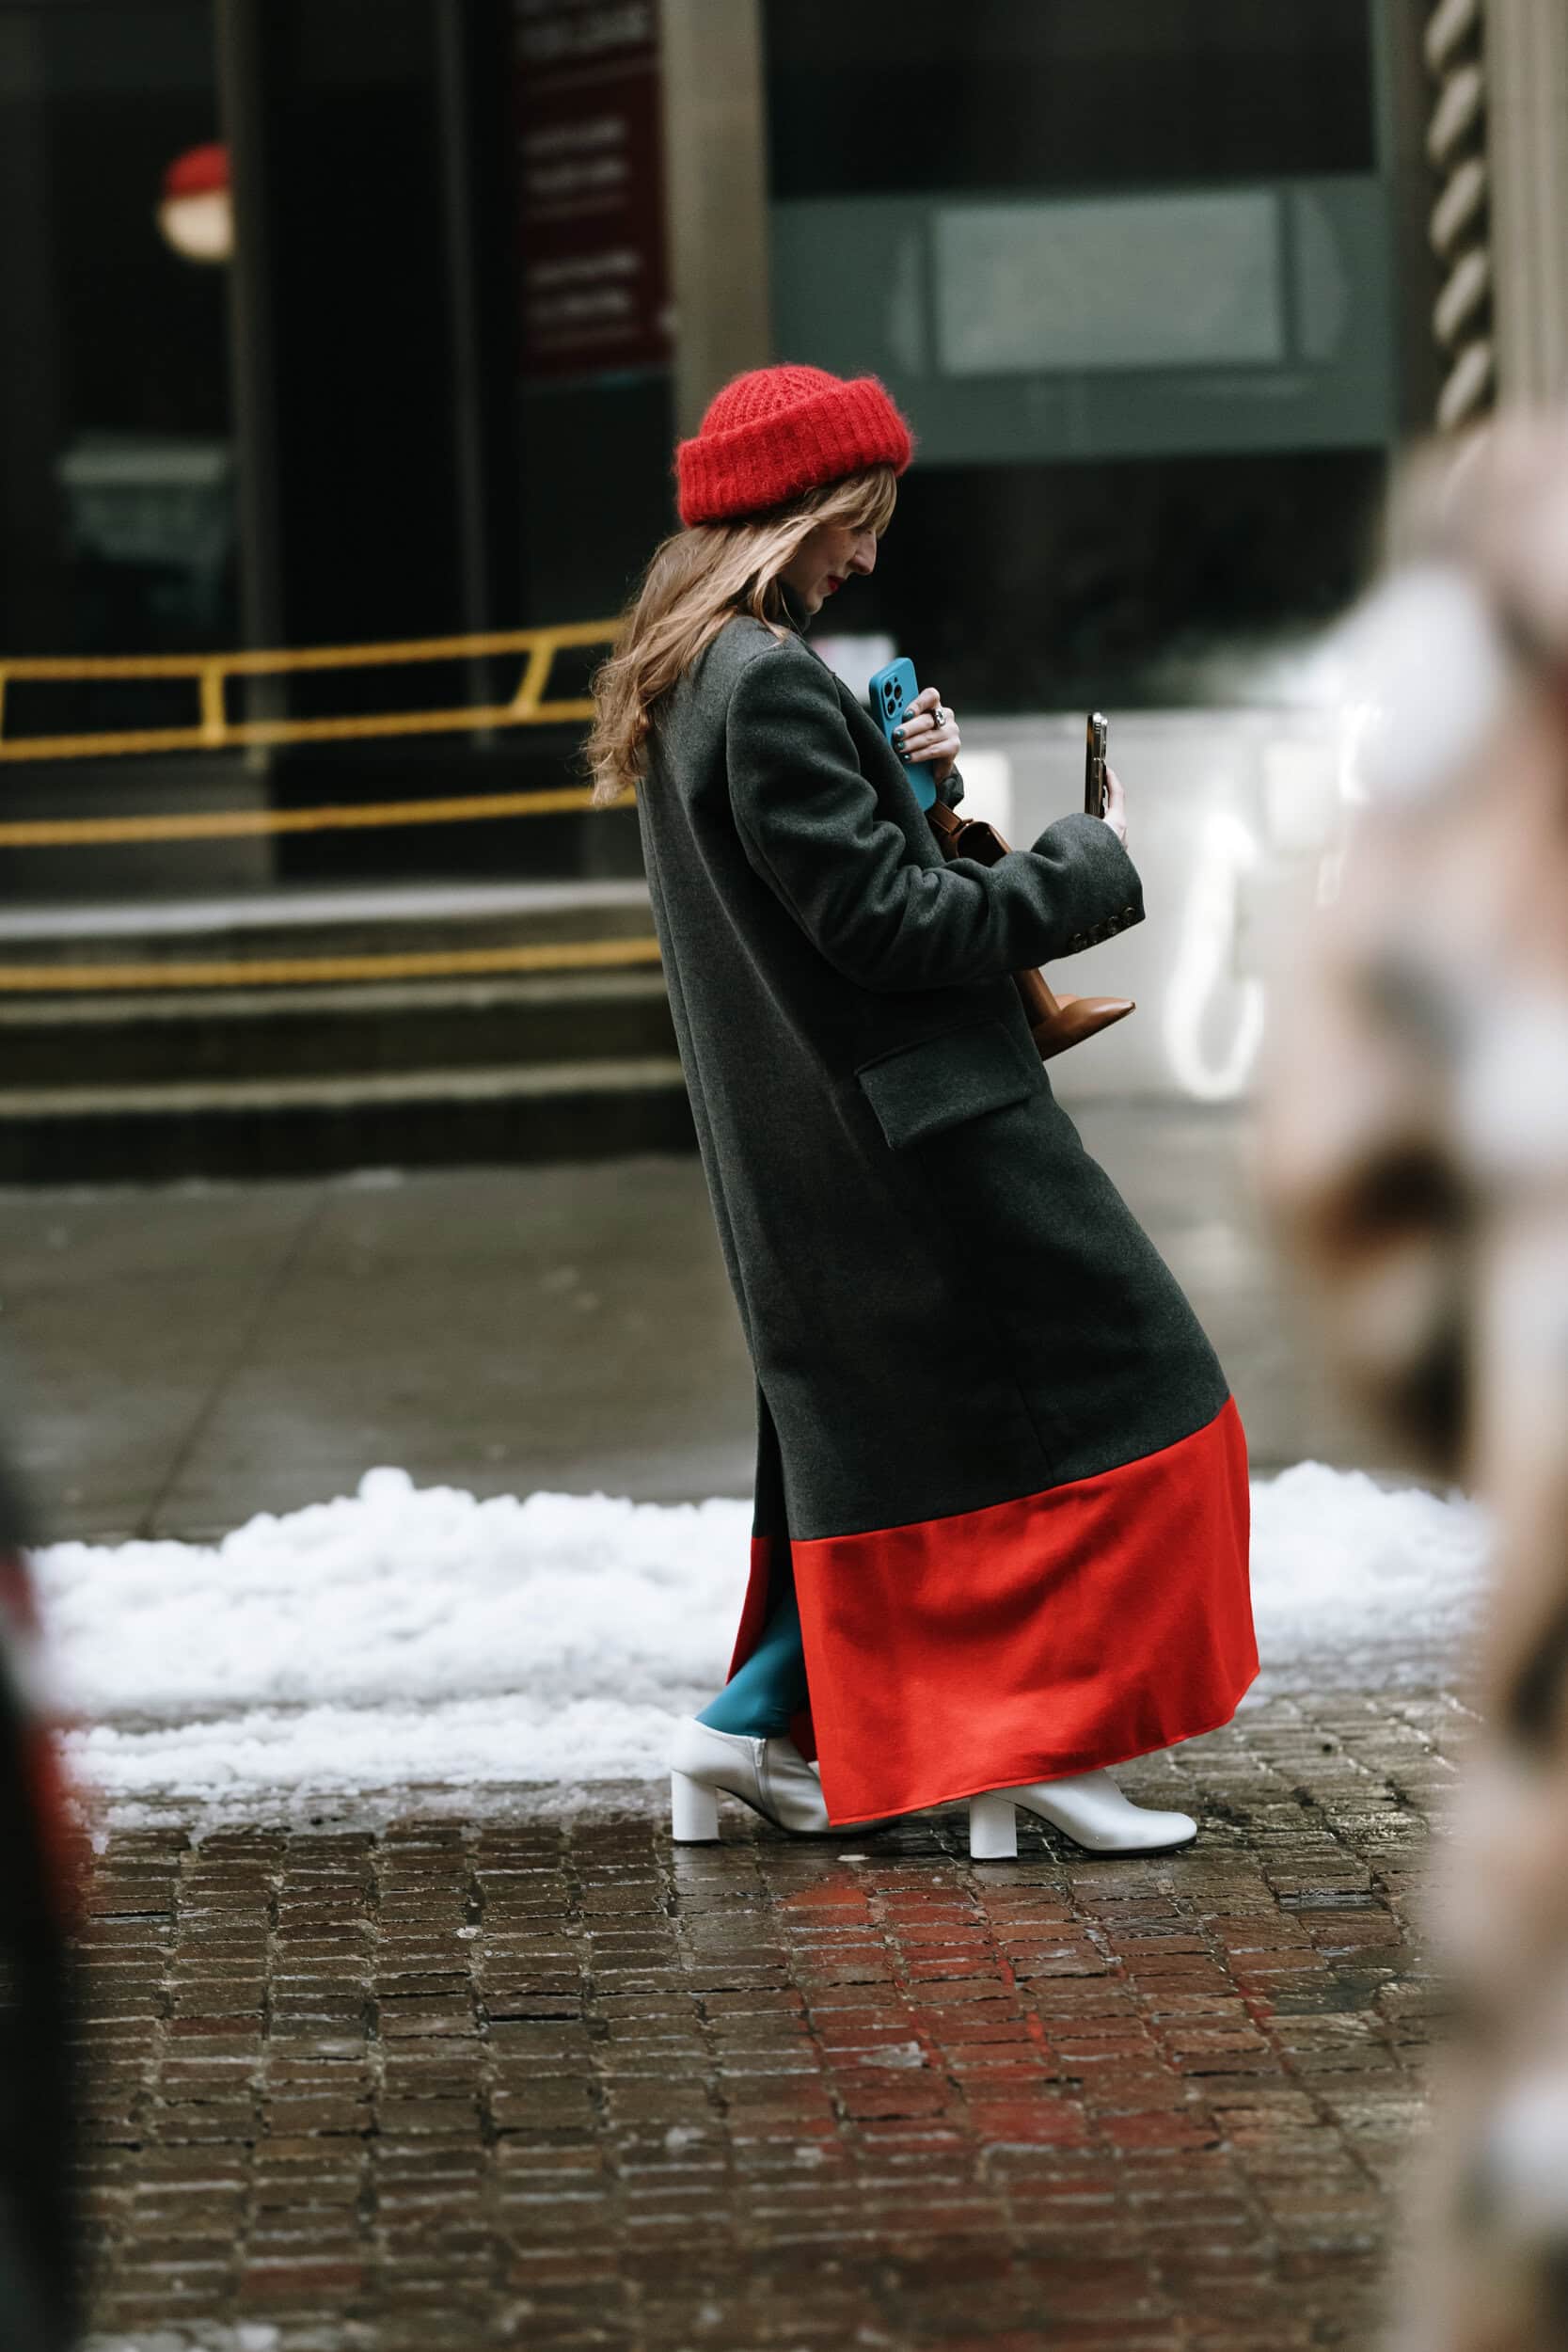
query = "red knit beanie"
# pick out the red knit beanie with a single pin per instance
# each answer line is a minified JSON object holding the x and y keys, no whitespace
{"x":772,"y":434}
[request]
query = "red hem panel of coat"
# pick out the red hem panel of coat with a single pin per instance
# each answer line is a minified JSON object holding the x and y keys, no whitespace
{"x":1051,"y":1634}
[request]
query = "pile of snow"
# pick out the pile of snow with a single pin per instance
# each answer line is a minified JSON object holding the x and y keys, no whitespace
{"x":1374,"y":1586}
{"x":403,"y":1637}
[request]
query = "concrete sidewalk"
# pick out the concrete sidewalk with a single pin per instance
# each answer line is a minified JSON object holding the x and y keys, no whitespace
{"x":179,"y":1360}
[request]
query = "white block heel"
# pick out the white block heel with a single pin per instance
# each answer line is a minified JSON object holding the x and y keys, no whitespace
{"x":769,"y":1775}
{"x":993,"y":1829}
{"x":693,"y":1811}
{"x":1088,"y":1807}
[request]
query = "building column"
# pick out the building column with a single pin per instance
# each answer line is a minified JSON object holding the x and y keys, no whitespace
{"x":1526,"y":78}
{"x":33,"y":603}
{"x":716,"y":194}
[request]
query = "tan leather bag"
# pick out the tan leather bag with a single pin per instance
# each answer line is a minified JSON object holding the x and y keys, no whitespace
{"x":1054,"y":1022}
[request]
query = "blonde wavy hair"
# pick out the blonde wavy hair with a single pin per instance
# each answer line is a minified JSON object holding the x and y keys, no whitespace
{"x":697,"y":580}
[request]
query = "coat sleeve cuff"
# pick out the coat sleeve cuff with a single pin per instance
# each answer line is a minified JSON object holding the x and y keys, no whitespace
{"x":1107,"y":896}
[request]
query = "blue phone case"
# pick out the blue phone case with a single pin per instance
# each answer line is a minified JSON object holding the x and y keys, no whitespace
{"x":892,"y":691}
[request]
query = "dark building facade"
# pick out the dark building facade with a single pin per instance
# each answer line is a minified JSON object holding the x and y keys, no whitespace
{"x":1138,"y":282}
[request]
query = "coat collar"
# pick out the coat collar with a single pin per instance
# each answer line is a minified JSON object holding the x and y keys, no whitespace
{"x":794,"y":611}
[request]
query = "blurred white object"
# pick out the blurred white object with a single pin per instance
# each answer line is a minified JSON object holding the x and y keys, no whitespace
{"x":1425,"y":667}
{"x":1221,"y":827}
{"x":199,"y":227}
{"x":1511,"y":1101}
{"x":1415,"y":1150}
{"x":1300,"y":795}
{"x":855,"y":659}
{"x":1214,"y":1064}
{"x":1527,"y":2156}
{"x":989,"y":790}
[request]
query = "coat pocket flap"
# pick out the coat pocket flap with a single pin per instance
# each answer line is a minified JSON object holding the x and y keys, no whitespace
{"x":918,"y":1089}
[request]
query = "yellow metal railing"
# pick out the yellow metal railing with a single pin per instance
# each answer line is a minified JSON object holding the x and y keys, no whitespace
{"x":228,"y":824}
{"x":48,"y":979}
{"x":210,"y":672}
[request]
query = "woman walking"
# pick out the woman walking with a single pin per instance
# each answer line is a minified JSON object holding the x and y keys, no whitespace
{"x":1000,"y":1533}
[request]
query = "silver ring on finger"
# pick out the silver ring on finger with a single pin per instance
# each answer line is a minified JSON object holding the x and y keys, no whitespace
{"x":942,"y":715}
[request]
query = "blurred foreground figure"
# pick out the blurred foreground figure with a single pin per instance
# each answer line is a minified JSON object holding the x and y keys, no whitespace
{"x":1417,"y":1156}
{"x":38,"y":2282}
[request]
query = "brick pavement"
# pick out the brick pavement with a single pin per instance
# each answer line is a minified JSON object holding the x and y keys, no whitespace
{"x":507,"y":2081}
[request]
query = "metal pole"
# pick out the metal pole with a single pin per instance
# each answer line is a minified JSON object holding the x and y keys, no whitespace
{"x":453,"y":101}
{"x":240,"y":69}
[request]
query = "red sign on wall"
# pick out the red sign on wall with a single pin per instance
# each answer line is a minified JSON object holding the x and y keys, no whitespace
{"x":594,"y":282}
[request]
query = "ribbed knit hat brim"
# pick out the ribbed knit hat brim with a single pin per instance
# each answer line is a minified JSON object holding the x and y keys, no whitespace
{"x":777,"y":452}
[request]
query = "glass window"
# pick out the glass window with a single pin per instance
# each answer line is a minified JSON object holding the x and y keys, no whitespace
{"x":117,"y":509}
{"x":902,"y":96}
{"x":1128,"y":262}
{"x":1150,"y":583}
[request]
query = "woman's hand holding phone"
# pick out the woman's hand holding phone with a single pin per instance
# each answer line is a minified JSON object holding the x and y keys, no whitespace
{"x":1103,"y":793}
{"x":1116,"y":806}
{"x":923,"y":735}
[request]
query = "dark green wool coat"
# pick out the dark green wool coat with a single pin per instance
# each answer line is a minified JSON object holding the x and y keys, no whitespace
{"x":975,"y":1373}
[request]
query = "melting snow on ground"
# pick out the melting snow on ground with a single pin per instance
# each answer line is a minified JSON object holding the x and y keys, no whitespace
{"x":403,"y":1637}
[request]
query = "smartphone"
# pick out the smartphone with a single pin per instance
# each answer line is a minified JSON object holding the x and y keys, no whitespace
{"x":1094,"y":764}
{"x":891,"y":693}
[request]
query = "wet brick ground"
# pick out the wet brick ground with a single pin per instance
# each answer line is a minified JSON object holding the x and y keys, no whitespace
{"x":512,"y":2082}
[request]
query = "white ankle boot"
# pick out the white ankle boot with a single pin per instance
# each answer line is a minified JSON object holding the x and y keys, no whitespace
{"x":1088,"y":1806}
{"x":769,"y":1776}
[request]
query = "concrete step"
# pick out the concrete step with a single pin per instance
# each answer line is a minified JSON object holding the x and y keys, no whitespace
{"x":346,"y":922}
{"x":250,"y":1128}
{"x":212,"y":1036}
{"x":150,"y":1082}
